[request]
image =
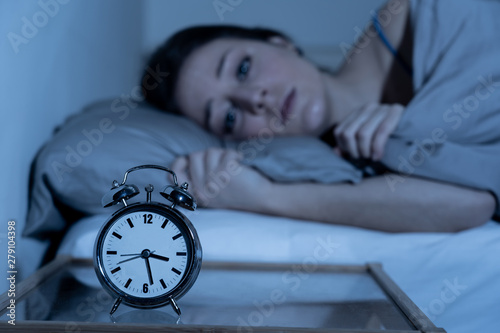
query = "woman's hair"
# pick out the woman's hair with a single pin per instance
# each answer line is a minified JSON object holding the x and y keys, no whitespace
{"x":158,"y":89}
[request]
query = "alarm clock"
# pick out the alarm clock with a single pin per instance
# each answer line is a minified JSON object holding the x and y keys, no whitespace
{"x":147,"y":254}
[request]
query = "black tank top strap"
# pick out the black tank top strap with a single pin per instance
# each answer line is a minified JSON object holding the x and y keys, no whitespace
{"x":395,"y":53}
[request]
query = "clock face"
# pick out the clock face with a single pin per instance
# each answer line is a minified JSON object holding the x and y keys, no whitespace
{"x":144,"y":253}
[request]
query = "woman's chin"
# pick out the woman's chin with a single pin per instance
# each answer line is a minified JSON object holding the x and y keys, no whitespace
{"x":314,"y":121}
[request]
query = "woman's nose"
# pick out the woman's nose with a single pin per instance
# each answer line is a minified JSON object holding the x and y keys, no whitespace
{"x":253,"y":99}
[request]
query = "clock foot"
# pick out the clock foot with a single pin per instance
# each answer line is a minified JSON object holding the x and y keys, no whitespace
{"x":175,"y":306}
{"x":115,"y":306}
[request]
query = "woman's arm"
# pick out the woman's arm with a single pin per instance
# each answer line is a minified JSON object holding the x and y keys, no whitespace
{"x":217,"y":180}
{"x":415,"y":205}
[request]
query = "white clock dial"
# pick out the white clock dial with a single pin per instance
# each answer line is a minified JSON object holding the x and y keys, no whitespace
{"x":144,"y":254}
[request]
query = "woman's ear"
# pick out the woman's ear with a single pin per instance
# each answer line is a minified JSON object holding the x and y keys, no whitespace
{"x":285,"y":43}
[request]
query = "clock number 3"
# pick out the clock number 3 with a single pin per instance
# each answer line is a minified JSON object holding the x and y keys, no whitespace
{"x":148,"y":218}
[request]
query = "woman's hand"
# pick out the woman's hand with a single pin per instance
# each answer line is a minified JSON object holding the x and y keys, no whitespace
{"x":217,"y":179}
{"x":364,"y":132}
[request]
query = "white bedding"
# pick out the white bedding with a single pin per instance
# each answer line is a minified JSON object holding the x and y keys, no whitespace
{"x":453,"y":278}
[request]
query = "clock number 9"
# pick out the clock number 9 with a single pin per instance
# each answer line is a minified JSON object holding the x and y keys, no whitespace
{"x":148,"y":218}
{"x":145,"y":288}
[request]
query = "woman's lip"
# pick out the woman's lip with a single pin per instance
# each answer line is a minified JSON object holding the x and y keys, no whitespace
{"x":287,"y":106}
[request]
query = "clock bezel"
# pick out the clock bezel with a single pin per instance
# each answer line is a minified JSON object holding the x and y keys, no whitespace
{"x":194,"y":256}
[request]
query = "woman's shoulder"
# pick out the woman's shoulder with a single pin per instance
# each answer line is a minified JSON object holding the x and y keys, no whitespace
{"x":452,"y":13}
{"x":445,"y":32}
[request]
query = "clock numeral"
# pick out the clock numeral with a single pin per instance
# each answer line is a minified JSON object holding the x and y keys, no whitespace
{"x":181,"y":253}
{"x":116,"y":270}
{"x":176,"y":236}
{"x":130,"y":223}
{"x":176,"y":271}
{"x":117,"y":235}
{"x":128,"y":283}
{"x":145,"y":288}
{"x":164,"y":224}
{"x":163,"y":284}
{"x":148,"y":218}
{"x":111,"y":252}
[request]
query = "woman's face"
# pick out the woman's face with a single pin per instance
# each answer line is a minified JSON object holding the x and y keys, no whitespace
{"x":236,"y":88}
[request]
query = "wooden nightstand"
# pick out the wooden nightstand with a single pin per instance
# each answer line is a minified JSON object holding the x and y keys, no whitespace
{"x":64,"y":296}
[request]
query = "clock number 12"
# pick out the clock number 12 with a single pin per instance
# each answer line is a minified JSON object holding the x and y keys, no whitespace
{"x":148,"y":218}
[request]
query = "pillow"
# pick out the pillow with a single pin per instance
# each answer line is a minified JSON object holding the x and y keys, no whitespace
{"x":76,"y":167}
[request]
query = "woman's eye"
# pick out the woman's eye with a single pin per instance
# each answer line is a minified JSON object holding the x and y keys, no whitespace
{"x":243,"y":68}
{"x":229,"y":121}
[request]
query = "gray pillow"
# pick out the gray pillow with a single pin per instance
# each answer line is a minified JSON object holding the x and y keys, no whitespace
{"x":76,"y":167}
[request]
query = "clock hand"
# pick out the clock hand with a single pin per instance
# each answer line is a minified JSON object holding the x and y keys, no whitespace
{"x":152,"y":255}
{"x":130,"y":254}
{"x":138,"y":255}
{"x":128,"y":259}
{"x":148,"y":267}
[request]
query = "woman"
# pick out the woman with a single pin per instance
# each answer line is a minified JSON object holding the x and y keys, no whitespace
{"x":235,"y":81}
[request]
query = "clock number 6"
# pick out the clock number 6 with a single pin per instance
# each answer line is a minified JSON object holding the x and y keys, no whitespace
{"x":148,"y":218}
{"x":145,"y":288}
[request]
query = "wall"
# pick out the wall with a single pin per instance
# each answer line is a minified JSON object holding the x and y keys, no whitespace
{"x":56,"y":56}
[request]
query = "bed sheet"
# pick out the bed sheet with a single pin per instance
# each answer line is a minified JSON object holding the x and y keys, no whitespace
{"x":453,"y":277}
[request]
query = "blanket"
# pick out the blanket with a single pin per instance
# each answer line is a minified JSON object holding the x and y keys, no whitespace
{"x":449,"y":131}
